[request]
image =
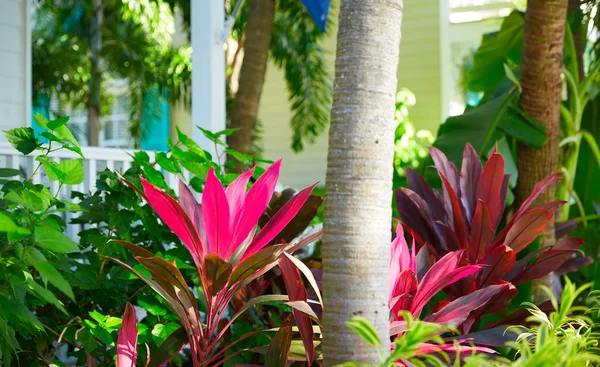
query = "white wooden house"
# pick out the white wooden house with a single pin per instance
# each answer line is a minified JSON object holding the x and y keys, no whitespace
{"x":437,"y":38}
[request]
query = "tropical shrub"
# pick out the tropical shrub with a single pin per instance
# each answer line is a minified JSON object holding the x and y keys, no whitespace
{"x":221,"y":237}
{"x":33,"y":246}
{"x":466,"y":216}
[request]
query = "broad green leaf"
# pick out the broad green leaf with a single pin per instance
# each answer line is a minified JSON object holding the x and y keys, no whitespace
{"x":162,"y":331}
{"x":44,"y":293}
{"x":55,"y":124}
{"x":34,"y":256}
{"x":495,"y":50}
{"x":87,"y":340}
{"x":192,"y":145}
{"x":9,"y":172}
{"x":58,"y":126}
{"x":167,"y":163}
{"x":53,"y":240}
{"x":244,"y":158}
{"x":23,"y":139}
{"x":52,"y":275}
{"x":52,"y":169}
{"x":73,"y":169}
{"x":7,"y":225}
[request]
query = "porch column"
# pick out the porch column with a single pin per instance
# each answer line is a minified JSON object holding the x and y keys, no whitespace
{"x":208,"y":69}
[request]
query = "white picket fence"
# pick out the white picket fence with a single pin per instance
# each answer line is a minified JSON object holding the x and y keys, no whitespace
{"x":96,"y":160}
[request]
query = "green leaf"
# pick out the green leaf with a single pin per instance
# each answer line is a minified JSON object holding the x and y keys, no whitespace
{"x":167,"y":163}
{"x":52,"y":275}
{"x":73,"y":169}
{"x":162,"y":331}
{"x":23,"y":139}
{"x":192,"y":145}
{"x":495,"y":50}
{"x":169,"y":347}
{"x":7,"y":225}
{"x":87,"y":340}
{"x":58,"y":126}
{"x":43,"y":293}
{"x":53,"y":240}
{"x":216,"y":272}
{"x":362,"y":327}
{"x":52,"y":169}
{"x":54,"y":124}
{"x":9,"y":172}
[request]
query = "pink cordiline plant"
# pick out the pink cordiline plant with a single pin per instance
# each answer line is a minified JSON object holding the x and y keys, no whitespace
{"x":229,"y":252}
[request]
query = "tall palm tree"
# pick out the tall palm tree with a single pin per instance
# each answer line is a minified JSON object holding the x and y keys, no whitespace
{"x":541,"y":68}
{"x":357,"y":218}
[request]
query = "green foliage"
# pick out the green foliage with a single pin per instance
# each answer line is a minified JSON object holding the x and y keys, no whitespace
{"x":33,"y":246}
{"x":410,"y":145}
{"x":407,"y":348}
{"x":136,"y":45}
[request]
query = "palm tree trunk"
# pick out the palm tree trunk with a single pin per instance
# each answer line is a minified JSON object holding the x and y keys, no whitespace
{"x":541,"y":66}
{"x":357,"y":219}
{"x":260,"y":17}
{"x":95,"y":75}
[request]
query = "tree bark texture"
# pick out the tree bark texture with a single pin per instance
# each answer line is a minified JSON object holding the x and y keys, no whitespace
{"x":357,"y":218}
{"x":541,"y":67}
{"x":259,"y":27}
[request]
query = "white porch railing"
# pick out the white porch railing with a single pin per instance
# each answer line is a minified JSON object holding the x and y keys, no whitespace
{"x":96,"y":160}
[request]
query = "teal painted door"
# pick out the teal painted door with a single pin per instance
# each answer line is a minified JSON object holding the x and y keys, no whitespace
{"x":41,"y":105}
{"x":155,"y":124}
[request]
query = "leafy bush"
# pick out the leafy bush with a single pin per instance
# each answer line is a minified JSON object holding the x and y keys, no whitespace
{"x":33,"y":246}
{"x":466,"y":217}
{"x":220,"y":236}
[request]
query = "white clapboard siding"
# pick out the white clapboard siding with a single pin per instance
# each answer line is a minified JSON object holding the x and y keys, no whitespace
{"x":15,"y":64}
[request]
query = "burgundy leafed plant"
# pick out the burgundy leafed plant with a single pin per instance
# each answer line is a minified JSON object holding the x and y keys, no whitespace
{"x":229,"y":252}
{"x":466,"y":217}
{"x":409,"y":292}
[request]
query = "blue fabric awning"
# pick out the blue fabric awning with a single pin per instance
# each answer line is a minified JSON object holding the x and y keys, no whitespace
{"x":318,"y":10}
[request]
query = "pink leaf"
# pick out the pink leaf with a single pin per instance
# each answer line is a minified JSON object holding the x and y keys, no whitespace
{"x":278,"y":222}
{"x":127,"y":341}
{"x":403,"y":292}
{"x":527,"y":228}
{"x":441,"y":274}
{"x":256,"y":202}
{"x":194,"y":211}
{"x":400,"y":259}
{"x":236,"y":196}
{"x":173,"y":215}
{"x":215,"y":215}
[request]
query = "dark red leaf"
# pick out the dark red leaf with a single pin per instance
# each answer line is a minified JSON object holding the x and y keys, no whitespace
{"x":447,"y":168}
{"x":414,"y":216}
{"x":499,"y":262}
{"x":498,"y":303}
{"x":538,"y":190}
{"x":469,"y":177}
{"x":489,"y":186}
{"x":297,"y":292}
{"x":573,"y":265}
{"x":527,"y":228}
{"x":417,"y":183}
{"x":548,"y":261}
{"x":568,"y":243}
{"x":482,"y":232}
{"x":458,"y":223}
{"x":561,"y":229}
{"x":495,"y":337}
